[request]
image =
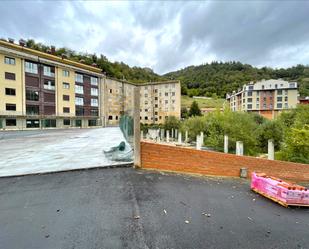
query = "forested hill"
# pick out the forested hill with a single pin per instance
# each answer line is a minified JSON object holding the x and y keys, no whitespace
{"x":118,"y":70}
{"x":218,"y":78}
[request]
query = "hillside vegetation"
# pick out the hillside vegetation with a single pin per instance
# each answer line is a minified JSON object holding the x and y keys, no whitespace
{"x":186,"y":101}
{"x":218,"y":78}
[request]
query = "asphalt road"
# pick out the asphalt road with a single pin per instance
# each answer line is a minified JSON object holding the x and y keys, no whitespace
{"x":125,"y":208}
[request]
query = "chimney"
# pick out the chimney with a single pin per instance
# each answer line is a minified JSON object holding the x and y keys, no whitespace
{"x":53,"y":50}
{"x":11,"y":40}
{"x":22,"y":42}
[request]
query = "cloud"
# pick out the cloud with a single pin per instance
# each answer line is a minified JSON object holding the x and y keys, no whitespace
{"x":167,"y":35}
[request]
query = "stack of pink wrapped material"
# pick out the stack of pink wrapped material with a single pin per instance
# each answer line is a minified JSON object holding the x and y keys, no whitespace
{"x":285,"y":193}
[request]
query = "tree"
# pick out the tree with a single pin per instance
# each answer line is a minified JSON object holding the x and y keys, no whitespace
{"x":194,"y":109}
{"x":184,"y":112}
{"x":171,"y":123}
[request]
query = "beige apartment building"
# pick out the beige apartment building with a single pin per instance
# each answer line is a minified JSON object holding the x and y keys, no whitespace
{"x":158,"y":100}
{"x":42,"y":90}
{"x":266,"y":97}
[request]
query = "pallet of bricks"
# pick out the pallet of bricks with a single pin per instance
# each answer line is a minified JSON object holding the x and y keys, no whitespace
{"x":282,"y":192}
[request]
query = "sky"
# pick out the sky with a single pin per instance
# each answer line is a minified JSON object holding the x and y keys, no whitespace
{"x":167,"y":36}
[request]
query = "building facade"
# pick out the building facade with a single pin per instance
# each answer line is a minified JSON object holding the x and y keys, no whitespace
{"x":42,"y":90}
{"x":266,"y":97}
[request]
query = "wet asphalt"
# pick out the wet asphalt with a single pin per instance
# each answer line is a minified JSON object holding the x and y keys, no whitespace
{"x":127,"y":208}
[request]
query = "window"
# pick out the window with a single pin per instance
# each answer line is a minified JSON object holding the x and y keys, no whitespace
{"x":48,"y":71}
{"x":146,"y":118}
{"x":156,"y":105}
{"x":173,"y":93}
{"x":250,"y":87}
{"x":286,"y":105}
{"x":32,"y":110}
{"x":79,"y":78}
{"x":10,"y":122}
{"x":110,"y":117}
{"x":279,"y":105}
{"x":110,"y":90}
{"x":257,"y":93}
{"x":65,"y":85}
{"x":249,"y":100}
{"x":65,"y":73}
{"x":279,"y":99}
{"x":9,"y":61}
{"x":286,"y":98}
{"x":292,"y":85}
{"x":66,"y":122}
{"x":94,"y":112}
{"x":92,"y":122}
{"x":270,"y":106}
{"x":79,"y":111}
{"x":66,"y":109}
{"x":156,"y":90}
{"x":257,"y":99}
{"x":279,"y":92}
{"x":31,"y":67}
{"x":32,"y":95}
{"x":156,"y":113}
{"x":94,"y":102}
{"x":166,"y":101}
{"x":79,"y":89}
{"x":9,"y":76}
{"x":66,"y":97}
{"x":166,"y":94}
{"x":249,"y":94}
{"x":156,"y":98}
{"x":263,"y":87}
{"x":146,"y":110}
{"x":10,"y":91}
{"x":276,"y":86}
{"x":79,"y":101}
{"x":257,"y":106}
{"x":33,"y":123}
{"x":116,"y":117}
{"x":10,"y":107}
{"x":49,"y":84}
{"x":49,"y":123}
{"x":94,"y":91}
{"x":94,"y":81}
{"x":146,"y":95}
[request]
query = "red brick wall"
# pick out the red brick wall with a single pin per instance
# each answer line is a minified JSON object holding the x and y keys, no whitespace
{"x":166,"y":157}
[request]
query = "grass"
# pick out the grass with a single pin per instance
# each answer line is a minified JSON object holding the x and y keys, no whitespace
{"x":186,"y":101}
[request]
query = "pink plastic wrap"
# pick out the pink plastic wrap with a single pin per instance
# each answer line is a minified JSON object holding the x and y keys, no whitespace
{"x":284,"y":192}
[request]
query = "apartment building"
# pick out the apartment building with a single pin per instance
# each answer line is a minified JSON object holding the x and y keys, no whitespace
{"x":42,"y":90}
{"x":266,"y":97}
{"x":158,"y":100}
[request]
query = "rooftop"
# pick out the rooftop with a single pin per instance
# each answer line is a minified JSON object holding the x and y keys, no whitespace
{"x":127,"y":208}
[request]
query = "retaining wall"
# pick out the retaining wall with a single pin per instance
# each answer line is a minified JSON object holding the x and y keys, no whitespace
{"x":173,"y":158}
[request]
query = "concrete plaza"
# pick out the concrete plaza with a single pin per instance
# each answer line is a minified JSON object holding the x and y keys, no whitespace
{"x":41,"y":151}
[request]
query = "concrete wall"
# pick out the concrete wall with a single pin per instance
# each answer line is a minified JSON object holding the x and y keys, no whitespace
{"x":172,"y":158}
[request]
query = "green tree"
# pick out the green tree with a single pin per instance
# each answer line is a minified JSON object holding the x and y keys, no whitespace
{"x":184,"y":112}
{"x":171,"y":123}
{"x":194,"y":109}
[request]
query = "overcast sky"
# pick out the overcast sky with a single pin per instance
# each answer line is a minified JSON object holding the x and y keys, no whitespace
{"x":167,"y":36}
